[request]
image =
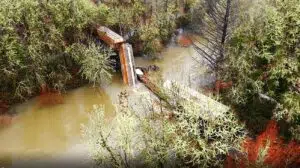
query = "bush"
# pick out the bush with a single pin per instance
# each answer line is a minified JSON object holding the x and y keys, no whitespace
{"x":263,"y":63}
{"x":145,"y":136}
{"x":34,"y":36}
{"x":95,"y":61}
{"x":143,"y":22}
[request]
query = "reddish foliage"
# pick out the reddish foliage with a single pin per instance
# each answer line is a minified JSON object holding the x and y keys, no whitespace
{"x":6,"y":120}
{"x":49,"y":97}
{"x":264,"y":76}
{"x":65,"y":43}
{"x":184,"y":41}
{"x":74,"y":71}
{"x":3,"y":107}
{"x":278,"y":155}
{"x":95,"y":1}
{"x":297,"y":87}
{"x":47,"y":19}
{"x":268,"y":66}
{"x":219,"y":85}
{"x":207,"y":91}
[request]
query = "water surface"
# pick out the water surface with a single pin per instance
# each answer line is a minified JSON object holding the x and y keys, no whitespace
{"x":45,"y":134}
{"x":48,"y":132}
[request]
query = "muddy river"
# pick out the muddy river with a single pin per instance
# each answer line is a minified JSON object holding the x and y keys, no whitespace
{"x":43,"y":135}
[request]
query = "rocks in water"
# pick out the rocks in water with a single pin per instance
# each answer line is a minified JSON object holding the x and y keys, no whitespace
{"x":142,"y":71}
{"x":153,"y":68}
{"x":139,"y":72}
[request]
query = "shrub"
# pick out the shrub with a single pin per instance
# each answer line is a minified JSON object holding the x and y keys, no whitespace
{"x":195,"y":135}
{"x":95,"y":61}
{"x":34,"y":36}
{"x":263,"y":63}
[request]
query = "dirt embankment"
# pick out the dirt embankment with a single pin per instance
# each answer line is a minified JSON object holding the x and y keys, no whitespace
{"x":5,"y":118}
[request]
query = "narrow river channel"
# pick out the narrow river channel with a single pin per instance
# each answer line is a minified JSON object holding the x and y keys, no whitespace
{"x":42,"y":133}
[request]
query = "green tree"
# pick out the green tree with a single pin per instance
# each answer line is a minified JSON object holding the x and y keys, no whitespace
{"x":145,"y":24}
{"x":95,"y":61}
{"x":34,"y":37}
{"x":263,"y":63}
{"x":200,"y":134}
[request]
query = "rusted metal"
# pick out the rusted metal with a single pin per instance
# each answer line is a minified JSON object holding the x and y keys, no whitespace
{"x":117,"y":42}
{"x":110,"y":37}
{"x":127,"y":64}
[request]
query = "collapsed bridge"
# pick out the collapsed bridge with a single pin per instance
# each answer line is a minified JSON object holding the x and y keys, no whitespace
{"x":118,"y":43}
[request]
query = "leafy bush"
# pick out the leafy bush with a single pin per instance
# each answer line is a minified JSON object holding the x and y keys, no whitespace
{"x":263,"y":63}
{"x":34,"y":36}
{"x":95,"y":61}
{"x":148,"y":23}
{"x":146,"y":136}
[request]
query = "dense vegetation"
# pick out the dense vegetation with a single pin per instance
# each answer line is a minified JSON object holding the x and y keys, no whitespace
{"x":47,"y":42}
{"x":257,"y":52}
{"x":147,"y":25}
{"x":263,"y":64}
{"x":149,"y":138}
{"x":36,"y":40}
{"x":252,"y":47}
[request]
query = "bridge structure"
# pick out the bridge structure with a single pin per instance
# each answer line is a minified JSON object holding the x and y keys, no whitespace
{"x":118,"y":43}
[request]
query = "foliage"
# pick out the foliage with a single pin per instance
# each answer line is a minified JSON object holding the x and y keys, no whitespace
{"x":268,"y":150}
{"x":263,"y":63}
{"x":206,"y":129}
{"x":143,"y":23}
{"x":144,"y":136}
{"x":95,"y":65}
{"x":112,"y":144}
{"x":34,"y":36}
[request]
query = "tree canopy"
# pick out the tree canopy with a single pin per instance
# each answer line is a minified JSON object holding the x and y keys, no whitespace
{"x":263,"y":63}
{"x":34,"y":40}
{"x":44,"y":42}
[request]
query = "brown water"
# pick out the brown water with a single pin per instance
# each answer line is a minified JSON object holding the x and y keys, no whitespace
{"x":178,"y":64}
{"x":52,"y":133}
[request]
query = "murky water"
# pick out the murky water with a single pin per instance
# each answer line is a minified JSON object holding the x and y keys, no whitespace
{"x":178,"y":64}
{"x":48,"y":132}
{"x":53,"y":132}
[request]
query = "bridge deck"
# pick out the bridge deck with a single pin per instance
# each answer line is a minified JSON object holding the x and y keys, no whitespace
{"x":109,"y":37}
{"x":127,"y":64}
{"x":117,"y":42}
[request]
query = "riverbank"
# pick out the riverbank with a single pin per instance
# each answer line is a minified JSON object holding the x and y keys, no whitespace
{"x":56,"y":127}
